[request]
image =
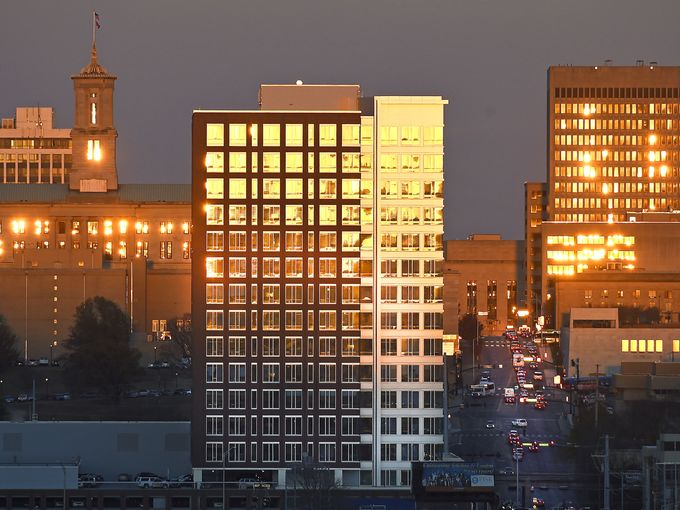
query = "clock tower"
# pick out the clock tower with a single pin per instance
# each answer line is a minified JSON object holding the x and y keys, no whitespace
{"x":94,"y":133}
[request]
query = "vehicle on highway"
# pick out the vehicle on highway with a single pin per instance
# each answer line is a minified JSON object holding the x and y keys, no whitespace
{"x":482,"y":390}
{"x":509,"y":392}
{"x":88,"y":480}
{"x":509,"y":400}
{"x":537,"y":503}
{"x":490,"y":424}
{"x":540,"y":405}
{"x":538,"y":375}
{"x":533,"y":447}
{"x":519,"y":422}
{"x":517,"y":359}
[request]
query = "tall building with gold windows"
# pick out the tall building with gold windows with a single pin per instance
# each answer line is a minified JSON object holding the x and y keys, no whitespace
{"x":69,"y":230}
{"x":317,"y":308}
{"x":613,"y":159}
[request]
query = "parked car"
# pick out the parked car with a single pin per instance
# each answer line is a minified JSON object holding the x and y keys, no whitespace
{"x":62,"y":396}
{"x":183,"y":391}
{"x":146,"y":474}
{"x":9,"y":399}
{"x":252,"y":483}
{"x":519,"y":422}
{"x":24,"y":397}
{"x":148,"y":482}
{"x":180,"y":481}
{"x":87,"y":480}
{"x":506,"y":471}
{"x":43,"y":362}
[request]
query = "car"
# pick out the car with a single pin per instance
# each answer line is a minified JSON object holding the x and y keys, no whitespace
{"x":180,"y":481}
{"x":490,"y":424}
{"x":182,"y":391}
{"x":24,"y":397}
{"x":506,"y":471}
{"x":9,"y":399}
{"x":533,"y":365}
{"x":539,"y":405}
{"x":519,"y":422}
{"x":32,"y":363}
{"x":537,"y":502}
{"x":509,"y":400}
{"x":145,"y":474}
{"x":88,"y":480}
{"x":252,"y":483}
{"x":62,"y":396}
{"x":533,"y":447}
{"x":148,"y":482}
{"x":538,"y":375}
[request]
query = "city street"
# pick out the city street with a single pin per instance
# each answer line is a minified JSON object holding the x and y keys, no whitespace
{"x":552,"y":471}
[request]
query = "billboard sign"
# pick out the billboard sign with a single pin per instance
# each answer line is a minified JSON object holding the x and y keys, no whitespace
{"x":454,"y":477}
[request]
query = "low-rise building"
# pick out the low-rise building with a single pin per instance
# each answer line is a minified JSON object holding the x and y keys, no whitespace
{"x":595,"y":340}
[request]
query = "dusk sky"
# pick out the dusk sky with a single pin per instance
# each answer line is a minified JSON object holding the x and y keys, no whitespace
{"x":488,"y":58}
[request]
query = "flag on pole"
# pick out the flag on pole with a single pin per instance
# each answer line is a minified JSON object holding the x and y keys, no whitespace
{"x":96,"y":20}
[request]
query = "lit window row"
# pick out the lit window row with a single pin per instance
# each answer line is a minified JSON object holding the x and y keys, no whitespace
{"x":411,"y":162}
{"x":293,"y":162}
{"x":646,"y":345}
{"x":292,"y":320}
{"x":411,"y":135}
{"x":617,"y":108}
{"x":43,"y":227}
{"x":293,"y":135}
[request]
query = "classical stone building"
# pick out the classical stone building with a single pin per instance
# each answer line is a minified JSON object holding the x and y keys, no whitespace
{"x":69,"y":230}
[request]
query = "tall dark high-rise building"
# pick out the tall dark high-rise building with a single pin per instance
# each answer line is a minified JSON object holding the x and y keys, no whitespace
{"x":317,"y":292}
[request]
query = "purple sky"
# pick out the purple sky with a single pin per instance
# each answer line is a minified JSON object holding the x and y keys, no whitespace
{"x":488,"y":57}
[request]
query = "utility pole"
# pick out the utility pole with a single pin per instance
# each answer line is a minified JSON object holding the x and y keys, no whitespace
{"x":606,"y":472}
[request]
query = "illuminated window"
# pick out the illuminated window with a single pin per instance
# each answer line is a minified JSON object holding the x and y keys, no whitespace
{"x":214,"y":241}
{"x":294,"y":214}
{"x":327,"y":215}
{"x":93,"y":113}
{"x":186,"y":250}
{"x":271,"y":188}
{"x":294,"y":162}
{"x":214,"y":135}
{"x":237,"y":188}
{"x":214,"y":267}
{"x":410,"y":135}
{"x":350,"y":161}
{"x":327,"y":162}
{"x":294,"y":135}
{"x":625,"y":346}
{"x":237,"y":215}
{"x":271,"y":162}
{"x":94,"y":150}
{"x":214,"y":214}
{"x":658,"y":346}
{"x":271,"y":214}
{"x":214,"y":162}
{"x":294,"y":188}
{"x":388,"y":135}
{"x":122,"y":249}
{"x":237,"y":135}
{"x":293,"y":241}
{"x":214,"y":293}
{"x":166,"y":249}
{"x":327,"y":135}
{"x":327,"y":188}
{"x":676,"y":345}
{"x":350,"y":134}
{"x":215,"y":188}
{"x":433,"y":163}
{"x":271,"y":134}
{"x":237,"y":162}
{"x":433,"y":135}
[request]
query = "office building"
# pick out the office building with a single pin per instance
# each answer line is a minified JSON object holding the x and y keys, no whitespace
{"x":613,"y":153}
{"x":483,"y":273}
{"x":317,"y":296}
{"x":69,"y":230}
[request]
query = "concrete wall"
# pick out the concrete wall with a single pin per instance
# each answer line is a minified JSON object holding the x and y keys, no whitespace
{"x":602,"y":346}
{"x":39,"y":476}
{"x":106,"y":448}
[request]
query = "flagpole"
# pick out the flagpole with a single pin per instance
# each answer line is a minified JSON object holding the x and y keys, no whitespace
{"x":94,"y":33}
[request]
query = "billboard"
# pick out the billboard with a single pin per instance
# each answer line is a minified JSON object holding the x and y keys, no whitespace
{"x":432,"y":477}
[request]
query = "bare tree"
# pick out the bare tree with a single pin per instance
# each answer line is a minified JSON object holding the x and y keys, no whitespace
{"x":314,"y":486}
{"x":178,"y":341}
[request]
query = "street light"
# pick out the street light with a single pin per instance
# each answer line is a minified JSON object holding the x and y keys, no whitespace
{"x":155,"y":352}
{"x":474,"y":359}
{"x":47,"y":388}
